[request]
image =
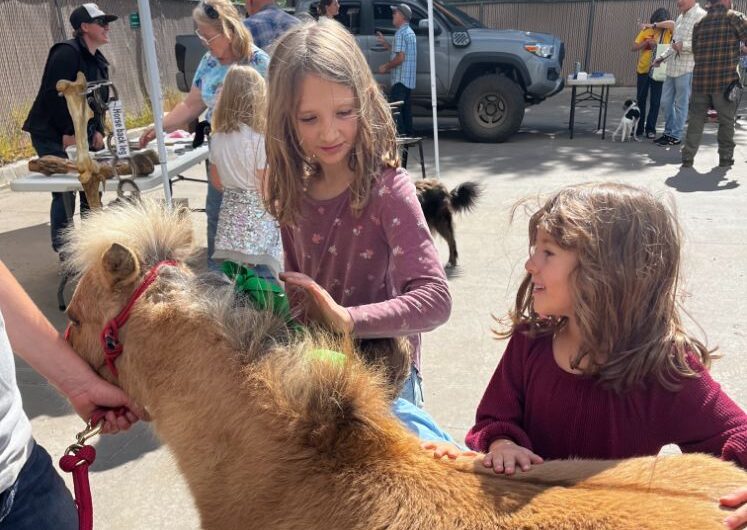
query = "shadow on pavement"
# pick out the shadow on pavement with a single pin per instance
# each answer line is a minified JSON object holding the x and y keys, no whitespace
{"x":688,"y":180}
{"x":118,"y":449}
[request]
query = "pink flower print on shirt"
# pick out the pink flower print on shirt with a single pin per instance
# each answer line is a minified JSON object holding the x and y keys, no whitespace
{"x":335,"y":282}
{"x":348,"y":291}
{"x":384,"y":190}
{"x":396,"y":221}
{"x":357,"y":230}
{"x":375,"y":220}
{"x":321,"y":210}
{"x":367,"y":254}
{"x":370,"y":277}
{"x":397,"y":251}
{"x":337,"y":222}
{"x":332,"y":250}
{"x":316,"y":239}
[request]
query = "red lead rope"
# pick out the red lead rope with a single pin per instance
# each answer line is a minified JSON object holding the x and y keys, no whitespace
{"x":79,"y":456}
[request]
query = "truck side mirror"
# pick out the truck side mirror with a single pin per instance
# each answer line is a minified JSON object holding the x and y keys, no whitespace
{"x":422,"y":28}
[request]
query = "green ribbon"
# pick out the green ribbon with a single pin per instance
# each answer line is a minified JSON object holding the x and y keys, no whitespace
{"x":263,"y":294}
{"x":269,"y":296}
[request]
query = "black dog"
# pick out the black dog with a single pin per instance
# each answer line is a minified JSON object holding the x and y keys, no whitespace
{"x":439,"y":206}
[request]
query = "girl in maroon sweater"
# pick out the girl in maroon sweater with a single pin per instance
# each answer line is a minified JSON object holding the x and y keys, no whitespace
{"x":598,"y":364}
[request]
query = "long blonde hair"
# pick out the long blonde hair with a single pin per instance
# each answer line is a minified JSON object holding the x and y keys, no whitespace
{"x":242,"y":99}
{"x":328,"y":50}
{"x":228,"y":22}
{"x":626,"y":305}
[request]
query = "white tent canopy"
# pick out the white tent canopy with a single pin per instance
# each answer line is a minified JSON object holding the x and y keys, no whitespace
{"x":156,"y":98}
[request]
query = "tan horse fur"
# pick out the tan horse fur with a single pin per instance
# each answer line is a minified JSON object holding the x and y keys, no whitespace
{"x":268,"y":439}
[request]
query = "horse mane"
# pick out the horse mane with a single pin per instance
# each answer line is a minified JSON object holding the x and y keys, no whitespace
{"x":318,"y":399}
{"x":152,"y":231}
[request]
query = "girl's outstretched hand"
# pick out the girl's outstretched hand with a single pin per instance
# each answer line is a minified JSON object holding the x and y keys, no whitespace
{"x":736,"y":499}
{"x":504,"y":455}
{"x":441,"y":449}
{"x":319,"y":303}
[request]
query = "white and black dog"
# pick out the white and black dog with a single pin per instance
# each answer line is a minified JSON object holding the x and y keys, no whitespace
{"x":629,"y":121}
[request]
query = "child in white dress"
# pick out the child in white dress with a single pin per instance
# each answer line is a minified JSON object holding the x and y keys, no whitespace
{"x":246,"y":233}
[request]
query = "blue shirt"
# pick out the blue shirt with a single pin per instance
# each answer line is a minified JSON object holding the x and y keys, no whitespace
{"x":405,"y":41}
{"x":420,"y":422}
{"x":210,"y":74}
{"x":267,"y":24}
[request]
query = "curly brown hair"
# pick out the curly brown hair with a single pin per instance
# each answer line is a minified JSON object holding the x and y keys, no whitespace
{"x":626,"y":306}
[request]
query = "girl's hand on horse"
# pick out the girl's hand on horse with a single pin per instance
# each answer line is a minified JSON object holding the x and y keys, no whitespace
{"x":736,"y":499}
{"x":441,"y":449}
{"x":504,"y":455}
{"x":319,"y":303}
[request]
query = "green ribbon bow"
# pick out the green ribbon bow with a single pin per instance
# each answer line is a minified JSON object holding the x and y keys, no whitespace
{"x":263,"y":294}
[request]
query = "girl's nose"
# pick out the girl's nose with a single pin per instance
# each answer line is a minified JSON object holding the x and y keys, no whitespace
{"x":529,"y":265}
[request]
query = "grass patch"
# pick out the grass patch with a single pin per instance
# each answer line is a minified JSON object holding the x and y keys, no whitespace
{"x":16,"y":144}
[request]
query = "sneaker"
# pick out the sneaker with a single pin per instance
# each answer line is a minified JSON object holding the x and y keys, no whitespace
{"x":662,"y":140}
{"x":725,"y":162}
{"x":650,"y":135}
{"x":673,"y":141}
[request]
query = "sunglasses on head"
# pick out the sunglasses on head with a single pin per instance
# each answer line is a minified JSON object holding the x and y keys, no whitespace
{"x":210,"y":11}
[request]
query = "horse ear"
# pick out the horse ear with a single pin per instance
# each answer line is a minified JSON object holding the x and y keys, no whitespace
{"x":120,"y":265}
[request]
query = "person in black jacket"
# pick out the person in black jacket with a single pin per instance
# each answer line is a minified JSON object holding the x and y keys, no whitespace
{"x":49,"y":121}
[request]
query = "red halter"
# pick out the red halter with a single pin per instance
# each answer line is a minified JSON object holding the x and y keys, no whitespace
{"x":110,"y":334}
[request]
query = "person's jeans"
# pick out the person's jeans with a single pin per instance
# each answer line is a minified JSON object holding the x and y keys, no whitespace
{"x":648,"y":120}
{"x":62,"y":209}
{"x":38,"y":500}
{"x":400,"y":92}
{"x":212,"y":210}
{"x":412,"y":390}
{"x":675,"y":97}
{"x":699,"y":104}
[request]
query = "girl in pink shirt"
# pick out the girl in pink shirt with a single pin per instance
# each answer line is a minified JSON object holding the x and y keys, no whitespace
{"x":354,"y":236}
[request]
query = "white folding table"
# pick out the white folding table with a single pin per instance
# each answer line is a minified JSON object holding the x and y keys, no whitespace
{"x":604,"y":82}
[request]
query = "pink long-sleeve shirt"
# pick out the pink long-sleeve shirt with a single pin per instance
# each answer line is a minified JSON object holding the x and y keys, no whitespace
{"x":381,"y":265}
{"x":556,"y":414}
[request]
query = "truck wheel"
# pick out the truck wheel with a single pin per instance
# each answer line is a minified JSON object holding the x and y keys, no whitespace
{"x":491,"y":108}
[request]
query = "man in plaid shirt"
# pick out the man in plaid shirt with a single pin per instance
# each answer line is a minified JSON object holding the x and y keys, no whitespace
{"x":267,"y":22}
{"x":716,"y":47}
{"x":402,"y":65}
{"x":675,"y":94}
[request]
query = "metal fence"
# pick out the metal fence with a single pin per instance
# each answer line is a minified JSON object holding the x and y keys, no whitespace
{"x":30,"y":27}
{"x":598,"y":33}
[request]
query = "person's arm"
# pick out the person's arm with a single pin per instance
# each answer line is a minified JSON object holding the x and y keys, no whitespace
{"x":382,"y":40}
{"x":215,"y":178}
{"x":641,"y":41}
{"x":666,"y":24}
{"x":706,"y":420}
{"x":425,"y":301}
{"x":37,"y":342}
{"x":184,"y":112}
{"x":63,"y":64}
{"x":739,"y":23}
{"x":394,"y":63}
{"x":500,"y":412}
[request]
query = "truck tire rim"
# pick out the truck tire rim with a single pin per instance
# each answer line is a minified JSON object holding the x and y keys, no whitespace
{"x":491,"y":109}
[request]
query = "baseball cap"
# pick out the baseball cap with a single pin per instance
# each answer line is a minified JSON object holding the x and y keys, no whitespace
{"x":87,"y":13}
{"x":404,"y":9}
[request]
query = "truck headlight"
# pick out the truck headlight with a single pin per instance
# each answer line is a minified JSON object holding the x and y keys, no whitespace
{"x":540,"y":50}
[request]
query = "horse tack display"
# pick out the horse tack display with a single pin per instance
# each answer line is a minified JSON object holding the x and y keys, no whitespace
{"x":299,"y":440}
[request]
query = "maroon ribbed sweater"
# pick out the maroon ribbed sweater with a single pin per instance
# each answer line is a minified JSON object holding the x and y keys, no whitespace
{"x":538,"y":405}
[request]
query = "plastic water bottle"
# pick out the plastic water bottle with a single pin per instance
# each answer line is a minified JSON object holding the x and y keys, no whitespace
{"x":576,"y":69}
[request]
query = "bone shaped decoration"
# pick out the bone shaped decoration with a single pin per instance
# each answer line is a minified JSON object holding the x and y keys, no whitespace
{"x":90,"y":173}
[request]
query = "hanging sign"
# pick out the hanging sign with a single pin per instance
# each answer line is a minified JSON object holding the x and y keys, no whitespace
{"x":116,"y":112}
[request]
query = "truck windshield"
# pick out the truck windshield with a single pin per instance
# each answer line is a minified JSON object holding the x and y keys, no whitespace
{"x":455,"y":16}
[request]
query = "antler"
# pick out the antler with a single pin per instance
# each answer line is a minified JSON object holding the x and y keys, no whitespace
{"x":90,"y":172}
